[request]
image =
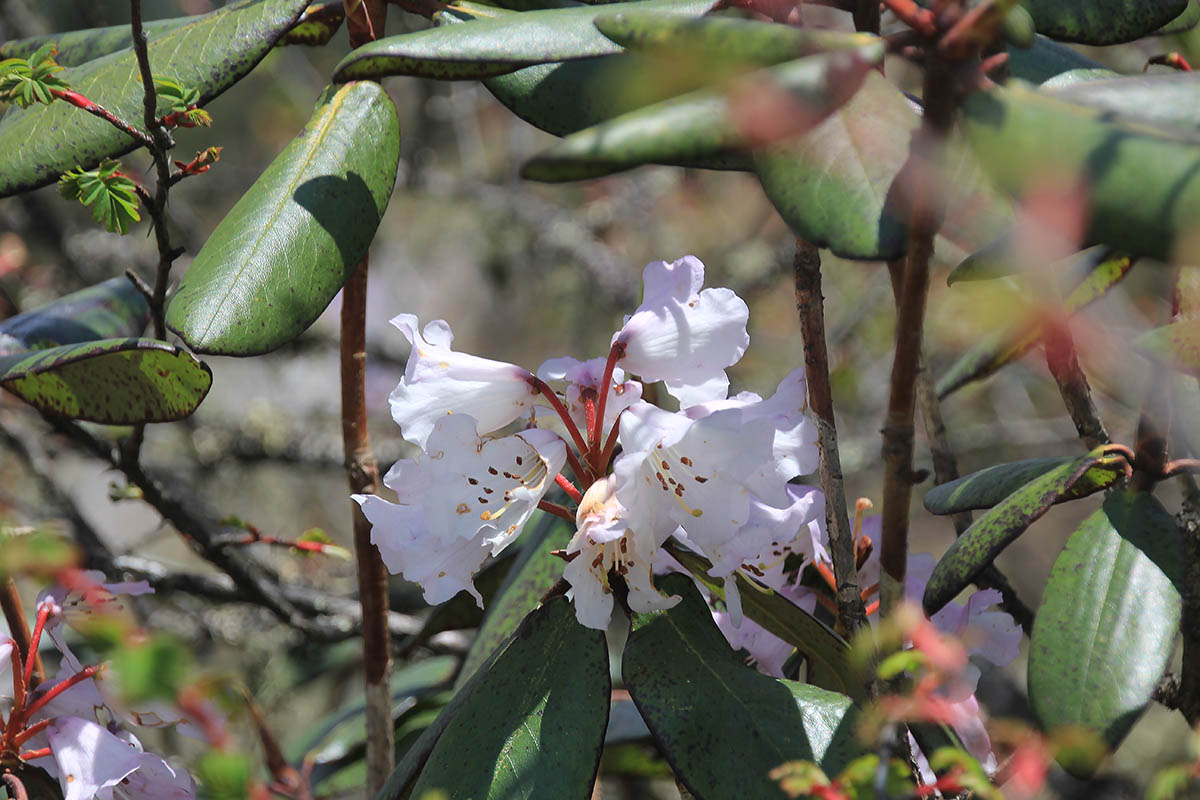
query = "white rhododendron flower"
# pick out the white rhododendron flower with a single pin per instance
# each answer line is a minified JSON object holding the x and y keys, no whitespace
{"x":715,"y":475}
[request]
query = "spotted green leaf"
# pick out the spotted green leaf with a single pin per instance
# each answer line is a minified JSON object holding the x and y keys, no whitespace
{"x":990,"y":486}
{"x":286,"y":247}
{"x":1102,"y":22}
{"x":724,"y":726}
{"x":111,"y":381}
{"x":108,"y":310}
{"x":1110,"y":613}
{"x":497,"y":45}
{"x":209,"y":53}
{"x":996,"y":528}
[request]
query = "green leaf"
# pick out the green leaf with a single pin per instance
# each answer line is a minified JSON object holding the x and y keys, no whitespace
{"x":462,"y":611}
{"x":108,"y":310}
{"x":727,"y":40}
{"x":701,"y":124}
{"x":826,"y":652}
{"x":1110,"y":614}
{"x":534,"y":574}
{"x":534,"y":725}
{"x":111,"y":381}
{"x":496,"y":46}
{"x":996,"y":529}
{"x":1046,"y":59}
{"x":1022,"y":136}
{"x":988,"y":487}
{"x":722,"y":725}
{"x":285,"y":249}
{"x":1102,"y":22}
{"x":317,"y":25}
{"x":997,"y":350}
{"x":209,"y":53}
{"x":224,"y":774}
{"x":834,"y":185}
{"x":1167,"y":100}
{"x":111,"y":195}
{"x":1184,"y":22}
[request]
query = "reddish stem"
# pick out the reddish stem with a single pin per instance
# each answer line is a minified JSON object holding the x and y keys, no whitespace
{"x":556,"y":510}
{"x":609,"y":446}
{"x":921,"y":20}
{"x":562,"y":412}
{"x":615,"y":354}
{"x":14,"y":615}
{"x":34,"y":640}
{"x":30,"y":755}
{"x":30,"y":732}
{"x":568,"y":487}
{"x":76,"y":679}
{"x":97,"y":110}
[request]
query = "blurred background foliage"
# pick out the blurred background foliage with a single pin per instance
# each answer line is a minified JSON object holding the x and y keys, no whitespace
{"x":523,"y":272}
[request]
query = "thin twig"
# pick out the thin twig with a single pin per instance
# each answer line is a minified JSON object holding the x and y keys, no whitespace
{"x":18,"y":627}
{"x":1187,"y":697}
{"x":806,"y":271}
{"x":1072,"y":383}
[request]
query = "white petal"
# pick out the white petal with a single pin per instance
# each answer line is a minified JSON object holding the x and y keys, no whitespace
{"x":582,"y":376}
{"x":682,"y":335}
{"x":438,"y":381}
{"x":407,"y":547}
{"x":88,"y":757}
{"x":155,"y":779}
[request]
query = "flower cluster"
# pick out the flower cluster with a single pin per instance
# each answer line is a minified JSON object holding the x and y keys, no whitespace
{"x":714,"y":474}
{"x":66,"y":726}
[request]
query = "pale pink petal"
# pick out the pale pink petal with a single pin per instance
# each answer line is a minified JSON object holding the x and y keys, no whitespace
{"x":90,"y":760}
{"x":155,"y":779}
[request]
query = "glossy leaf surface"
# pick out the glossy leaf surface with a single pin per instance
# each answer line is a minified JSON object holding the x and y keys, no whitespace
{"x":1004,"y":347}
{"x":722,"y":725}
{"x":1102,"y":22}
{"x":1022,"y":136}
{"x":825,"y":650}
{"x":996,"y":529}
{"x":285,"y":249}
{"x":210,"y":53}
{"x":111,"y":381}
{"x":990,"y":486}
{"x":1110,"y":613}
{"x":109,"y":310}
{"x":534,"y":725}
{"x":534,"y":574}
{"x":496,"y":45}
{"x":702,"y":124}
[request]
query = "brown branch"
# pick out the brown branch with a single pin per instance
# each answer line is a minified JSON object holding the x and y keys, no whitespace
{"x":924,"y":177}
{"x":365,"y":20}
{"x":866,"y":16}
{"x":1187,"y":697}
{"x":1072,"y":383}
{"x":18,"y":628}
{"x":806,"y":270}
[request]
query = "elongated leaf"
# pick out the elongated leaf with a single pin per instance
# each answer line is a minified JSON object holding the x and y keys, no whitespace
{"x":78,"y":47}
{"x":534,"y":574}
{"x":1184,"y":22}
{"x":1046,"y":59}
{"x":1109,"y":617}
{"x":1167,"y":100}
{"x":1022,"y":136}
{"x":1101,"y":22}
{"x":726,"y":39}
{"x":722,"y":725}
{"x":209,"y":54}
{"x":825,"y":650}
{"x":702,"y":124}
{"x":990,"y":486}
{"x":285,"y":249}
{"x":495,"y":46}
{"x":996,"y":529}
{"x":108,"y":310}
{"x":112,"y":381}
{"x":997,"y":350}
{"x":534,"y":725}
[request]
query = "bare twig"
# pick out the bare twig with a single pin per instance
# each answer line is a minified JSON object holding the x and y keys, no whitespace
{"x":365,"y":22}
{"x":1072,"y":383}
{"x":1187,"y":696}
{"x":810,"y":306}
